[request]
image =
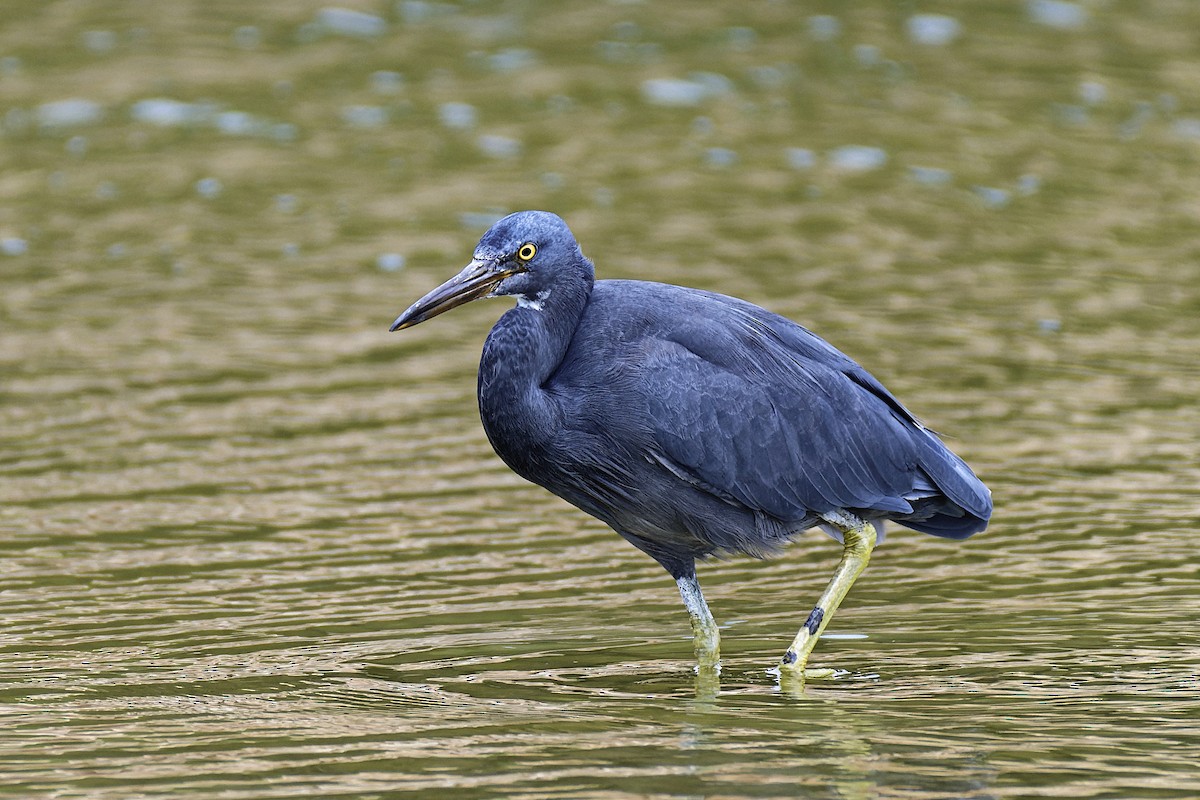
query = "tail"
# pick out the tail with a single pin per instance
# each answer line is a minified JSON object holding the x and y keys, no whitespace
{"x":960,"y":504}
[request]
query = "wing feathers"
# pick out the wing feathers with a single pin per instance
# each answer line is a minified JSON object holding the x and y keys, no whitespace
{"x":769,"y":415}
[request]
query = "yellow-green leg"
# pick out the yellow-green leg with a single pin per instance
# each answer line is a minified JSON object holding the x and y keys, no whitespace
{"x":706,"y":639}
{"x":858,"y":538}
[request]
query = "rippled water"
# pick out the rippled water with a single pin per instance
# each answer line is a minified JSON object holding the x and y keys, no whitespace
{"x":255,"y":546}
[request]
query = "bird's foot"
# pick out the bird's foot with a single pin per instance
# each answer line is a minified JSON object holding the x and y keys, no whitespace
{"x":794,"y":666}
{"x":821,"y":673}
{"x":793,"y":678}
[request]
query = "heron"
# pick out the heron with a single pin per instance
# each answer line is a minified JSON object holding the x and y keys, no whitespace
{"x":693,"y":423}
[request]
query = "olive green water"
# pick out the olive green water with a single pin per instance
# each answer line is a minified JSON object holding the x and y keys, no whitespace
{"x":255,"y":546}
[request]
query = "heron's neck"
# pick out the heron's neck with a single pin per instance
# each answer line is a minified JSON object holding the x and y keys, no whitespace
{"x":522,"y":352}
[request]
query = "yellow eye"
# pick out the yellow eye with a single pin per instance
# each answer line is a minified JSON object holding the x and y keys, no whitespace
{"x":527,"y":251}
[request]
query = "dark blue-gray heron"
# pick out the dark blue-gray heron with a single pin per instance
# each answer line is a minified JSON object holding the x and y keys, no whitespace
{"x":694,"y":423}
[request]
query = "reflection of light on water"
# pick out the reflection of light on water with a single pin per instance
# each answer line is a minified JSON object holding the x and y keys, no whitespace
{"x":223,"y":486}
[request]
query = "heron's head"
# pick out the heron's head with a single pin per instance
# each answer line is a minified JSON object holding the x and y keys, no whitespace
{"x":521,"y":255}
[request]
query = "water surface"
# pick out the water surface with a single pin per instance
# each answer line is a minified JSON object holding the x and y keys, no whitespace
{"x":254,"y":546}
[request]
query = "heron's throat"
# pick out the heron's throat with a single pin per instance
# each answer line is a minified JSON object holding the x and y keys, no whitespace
{"x":522,"y":353}
{"x":536,"y":303}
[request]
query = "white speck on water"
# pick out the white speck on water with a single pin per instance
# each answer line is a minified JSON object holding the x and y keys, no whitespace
{"x":290,"y":250}
{"x":857,"y":158}
{"x":512,"y":59}
{"x":13,"y":246}
{"x":933,"y":30}
{"x":741,"y":38}
{"x":867,"y":55}
{"x":286,"y":203}
{"x":247,"y":37}
{"x":993,"y":197}
{"x":615,"y":52}
{"x":930,"y":176}
{"x":10,"y":66}
{"x":390,"y":262}
{"x":77,"y":146}
{"x":284,"y":132}
{"x":417,"y":11}
{"x":478,"y":220}
{"x":1130,"y":128}
{"x":768,"y":76}
{"x":347,"y":22}
{"x":1029,"y":184}
{"x":1186,"y":128}
{"x":714,"y":83}
{"x":1070,"y":114}
{"x":1057,"y":14}
{"x":238,"y":123}
{"x":800,"y":158}
{"x":386,"y":81}
{"x":1049,"y":325}
{"x":627,"y":30}
{"x":844,"y":637}
{"x":459,"y":116}
{"x":824,"y":28}
{"x":647,"y":52}
{"x":208,"y":188}
{"x":684,"y":92}
{"x":494,"y":145}
{"x":107,"y":190}
{"x":168,"y":113}
{"x":1092,"y":93}
{"x":676,"y":92}
{"x":69,"y":113}
{"x":99,"y":42}
{"x":720,"y":157}
{"x":117,"y":251}
{"x":413,"y":11}
{"x":363,"y":116}
{"x":560,"y":103}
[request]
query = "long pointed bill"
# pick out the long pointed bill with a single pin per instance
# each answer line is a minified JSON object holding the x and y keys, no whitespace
{"x":476,"y":280}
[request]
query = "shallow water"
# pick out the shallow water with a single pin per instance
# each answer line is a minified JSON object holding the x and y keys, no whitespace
{"x":255,"y":546}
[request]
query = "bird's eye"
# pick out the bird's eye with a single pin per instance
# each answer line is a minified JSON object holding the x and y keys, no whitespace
{"x":527,"y":251}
